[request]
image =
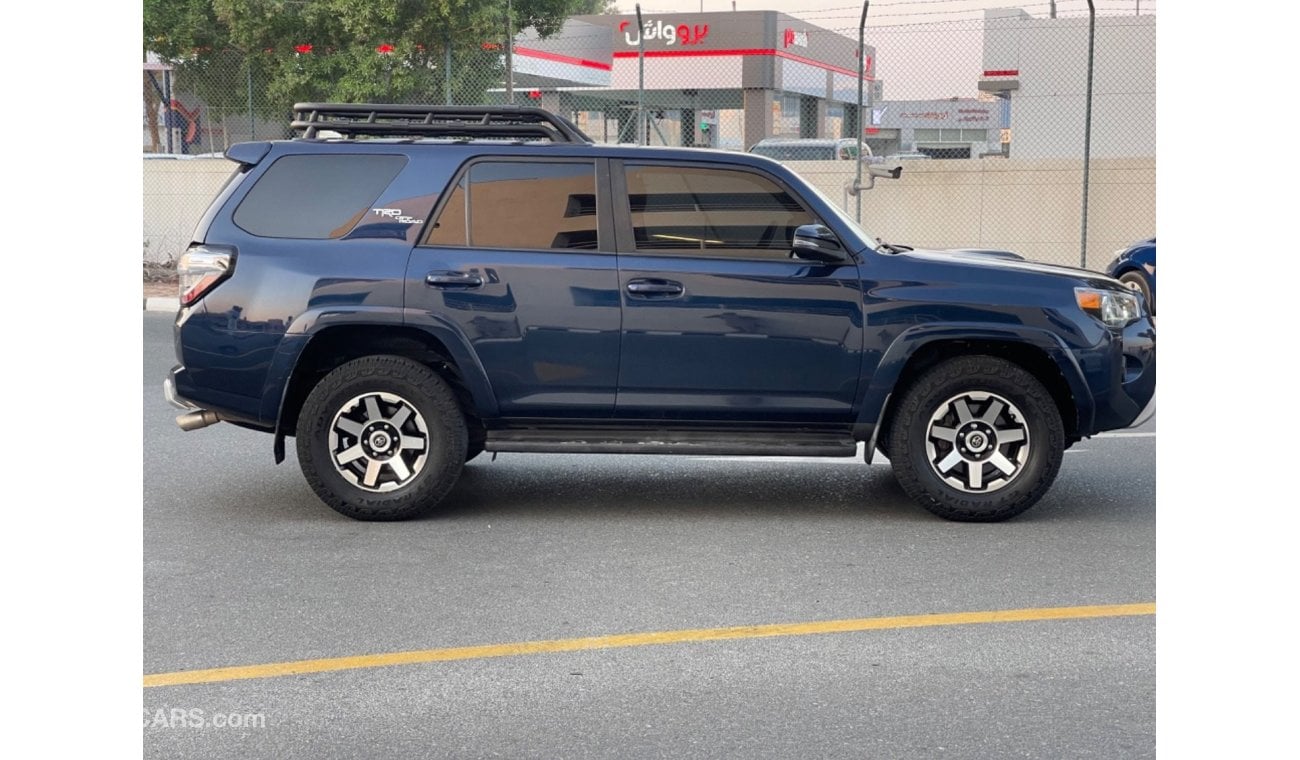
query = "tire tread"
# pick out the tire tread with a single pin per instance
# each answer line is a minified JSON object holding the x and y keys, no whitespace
{"x":979,"y":372}
{"x":443,"y":415}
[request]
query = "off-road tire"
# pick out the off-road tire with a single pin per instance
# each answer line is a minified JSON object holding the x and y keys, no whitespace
{"x":429,"y":396}
{"x":981,"y":375}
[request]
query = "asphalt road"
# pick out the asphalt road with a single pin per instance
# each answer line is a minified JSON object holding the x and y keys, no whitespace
{"x":244,"y":566}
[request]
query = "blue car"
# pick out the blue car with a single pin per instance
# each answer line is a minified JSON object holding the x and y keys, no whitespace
{"x":1135,"y":266}
{"x":443,"y":281}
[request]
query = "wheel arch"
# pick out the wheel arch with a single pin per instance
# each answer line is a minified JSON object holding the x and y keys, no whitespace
{"x":330,"y":347}
{"x":921,"y":348}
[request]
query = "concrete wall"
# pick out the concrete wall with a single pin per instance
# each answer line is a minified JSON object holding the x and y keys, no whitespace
{"x":176,"y":193}
{"x":1028,"y":206}
{"x":1032,"y":207}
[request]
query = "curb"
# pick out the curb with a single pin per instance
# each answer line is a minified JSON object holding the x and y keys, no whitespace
{"x":162,"y":304}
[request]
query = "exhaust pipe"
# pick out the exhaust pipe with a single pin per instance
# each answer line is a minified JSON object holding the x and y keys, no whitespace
{"x":197,"y":420}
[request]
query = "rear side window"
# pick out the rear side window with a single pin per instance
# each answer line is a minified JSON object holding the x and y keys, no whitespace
{"x":521,"y":206}
{"x":315,"y":197}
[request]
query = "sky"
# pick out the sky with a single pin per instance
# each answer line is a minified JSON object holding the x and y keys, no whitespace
{"x":838,"y":14}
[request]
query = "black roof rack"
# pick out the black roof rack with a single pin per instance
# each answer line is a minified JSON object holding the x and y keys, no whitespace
{"x":388,"y":120}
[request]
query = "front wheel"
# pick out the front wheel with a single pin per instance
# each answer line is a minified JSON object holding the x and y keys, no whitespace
{"x":976,"y":439}
{"x":381,"y":438}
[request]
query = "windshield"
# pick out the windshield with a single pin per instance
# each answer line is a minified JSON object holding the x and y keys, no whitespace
{"x":796,"y":152}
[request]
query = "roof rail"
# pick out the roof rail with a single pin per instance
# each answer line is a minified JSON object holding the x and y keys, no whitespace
{"x":388,"y":120}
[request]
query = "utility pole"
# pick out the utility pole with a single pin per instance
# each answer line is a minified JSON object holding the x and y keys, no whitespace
{"x":1087,"y":137}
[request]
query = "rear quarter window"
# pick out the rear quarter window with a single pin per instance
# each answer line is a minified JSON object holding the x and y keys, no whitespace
{"x":316,"y":196}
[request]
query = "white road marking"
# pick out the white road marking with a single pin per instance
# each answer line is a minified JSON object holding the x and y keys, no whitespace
{"x":1125,"y":435}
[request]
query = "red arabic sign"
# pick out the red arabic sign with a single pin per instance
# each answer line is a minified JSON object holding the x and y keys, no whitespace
{"x":671,"y":35}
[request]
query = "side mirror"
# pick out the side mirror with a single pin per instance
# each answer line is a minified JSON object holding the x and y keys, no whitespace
{"x":816,"y":242}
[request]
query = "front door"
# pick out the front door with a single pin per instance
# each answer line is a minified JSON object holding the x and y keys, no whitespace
{"x":517,"y":259}
{"x":719,"y":322}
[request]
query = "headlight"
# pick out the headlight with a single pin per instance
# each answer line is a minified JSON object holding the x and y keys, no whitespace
{"x":1110,"y":306}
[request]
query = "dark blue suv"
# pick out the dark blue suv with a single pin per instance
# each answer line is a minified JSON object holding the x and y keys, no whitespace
{"x":403,"y":288}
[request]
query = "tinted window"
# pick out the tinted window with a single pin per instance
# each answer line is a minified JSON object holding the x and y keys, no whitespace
{"x":539,"y":205}
{"x":315,"y":196}
{"x":690,"y":211}
{"x":450,"y":229}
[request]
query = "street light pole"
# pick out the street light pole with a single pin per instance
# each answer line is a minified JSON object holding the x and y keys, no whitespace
{"x":862,"y":73}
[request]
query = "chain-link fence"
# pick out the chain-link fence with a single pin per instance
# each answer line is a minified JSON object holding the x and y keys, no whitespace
{"x":988,"y":116}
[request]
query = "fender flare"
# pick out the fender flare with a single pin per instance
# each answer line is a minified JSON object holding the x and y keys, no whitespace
{"x":311,"y":324}
{"x":880,"y":390}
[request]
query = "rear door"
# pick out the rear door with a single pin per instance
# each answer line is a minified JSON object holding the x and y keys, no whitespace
{"x":519,"y":260}
{"x":718,"y":321}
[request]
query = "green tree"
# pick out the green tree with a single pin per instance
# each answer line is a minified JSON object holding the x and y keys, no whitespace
{"x":341,"y":50}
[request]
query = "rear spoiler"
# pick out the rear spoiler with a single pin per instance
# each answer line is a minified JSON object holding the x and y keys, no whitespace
{"x":248,"y":153}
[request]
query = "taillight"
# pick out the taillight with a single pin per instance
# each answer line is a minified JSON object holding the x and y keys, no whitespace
{"x":201,"y":268}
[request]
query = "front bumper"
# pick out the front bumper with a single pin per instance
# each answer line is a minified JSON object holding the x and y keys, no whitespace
{"x":1126,"y":396}
{"x":1146,"y":414}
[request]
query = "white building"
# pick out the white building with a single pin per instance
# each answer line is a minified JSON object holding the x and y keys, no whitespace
{"x":1040,"y":65}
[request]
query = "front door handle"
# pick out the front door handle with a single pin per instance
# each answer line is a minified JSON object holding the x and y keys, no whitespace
{"x":647,"y":288}
{"x":456,"y":280}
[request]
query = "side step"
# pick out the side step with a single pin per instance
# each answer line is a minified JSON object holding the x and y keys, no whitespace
{"x":799,"y":443}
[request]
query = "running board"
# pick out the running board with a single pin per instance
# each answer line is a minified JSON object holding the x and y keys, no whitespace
{"x":703,"y":442}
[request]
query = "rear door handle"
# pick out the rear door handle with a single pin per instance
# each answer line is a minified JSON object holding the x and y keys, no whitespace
{"x":648,"y":288}
{"x":453,"y":280}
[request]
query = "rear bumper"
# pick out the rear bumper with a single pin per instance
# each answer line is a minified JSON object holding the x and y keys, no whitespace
{"x":169,"y":393}
{"x":180,"y":392}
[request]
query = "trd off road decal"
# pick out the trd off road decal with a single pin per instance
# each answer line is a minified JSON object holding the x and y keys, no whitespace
{"x":396,"y":215}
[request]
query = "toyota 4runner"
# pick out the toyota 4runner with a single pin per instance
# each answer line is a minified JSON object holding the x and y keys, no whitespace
{"x":404,"y":287}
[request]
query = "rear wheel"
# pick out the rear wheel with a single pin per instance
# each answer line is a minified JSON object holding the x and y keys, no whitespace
{"x":976,"y":439}
{"x":381,"y":438}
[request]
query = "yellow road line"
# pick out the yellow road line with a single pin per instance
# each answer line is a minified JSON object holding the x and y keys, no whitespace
{"x":299,"y":667}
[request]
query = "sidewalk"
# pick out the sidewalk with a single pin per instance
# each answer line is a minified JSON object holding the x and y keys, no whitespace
{"x":161,"y":296}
